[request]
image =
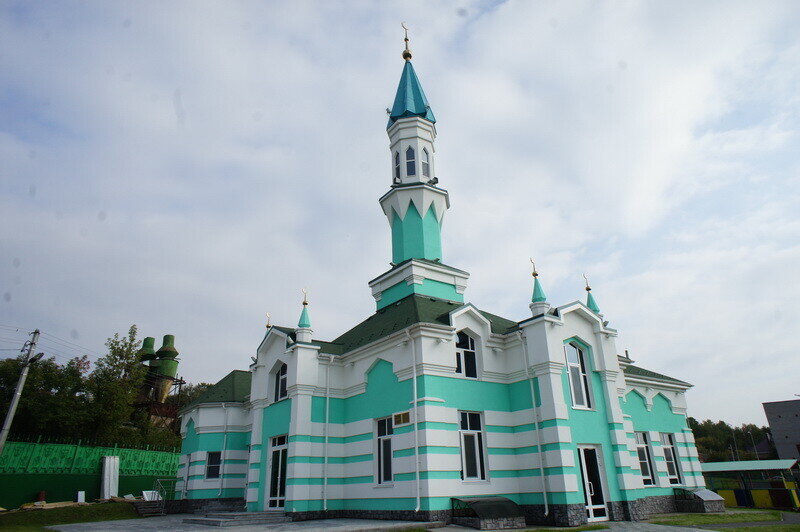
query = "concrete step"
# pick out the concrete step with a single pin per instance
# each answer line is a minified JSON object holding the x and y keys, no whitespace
{"x":236,"y":515}
{"x":242,"y":521}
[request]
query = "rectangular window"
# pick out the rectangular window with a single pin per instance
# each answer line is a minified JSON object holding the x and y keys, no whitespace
{"x":578,"y":378}
{"x":466,"y":361}
{"x":280,"y":382}
{"x":473,"y":466}
{"x":403,"y":418}
{"x":671,"y":456}
{"x":213,"y":462}
{"x":645,"y":460}
{"x":385,"y":431}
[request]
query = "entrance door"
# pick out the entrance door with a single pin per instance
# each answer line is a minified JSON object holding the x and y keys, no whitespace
{"x":592,"y":476}
{"x":277,"y":483}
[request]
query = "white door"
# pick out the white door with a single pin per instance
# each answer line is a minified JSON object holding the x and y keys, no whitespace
{"x":592,"y":475}
{"x":277,"y":483}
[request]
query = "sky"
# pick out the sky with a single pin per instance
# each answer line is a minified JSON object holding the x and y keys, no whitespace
{"x":190,"y":166}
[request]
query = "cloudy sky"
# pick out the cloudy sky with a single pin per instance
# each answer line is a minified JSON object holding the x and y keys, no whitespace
{"x":188,"y":167}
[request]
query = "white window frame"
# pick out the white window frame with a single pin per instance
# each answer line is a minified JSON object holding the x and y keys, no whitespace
{"x":426,"y":163}
{"x":462,"y":353}
{"x":581,"y":367}
{"x":397,"y":165}
{"x":281,"y":382}
{"x":671,"y":456}
{"x":643,"y":446}
{"x":411,"y":162}
{"x":386,"y":426}
{"x":467,"y":429}
{"x":209,"y":465}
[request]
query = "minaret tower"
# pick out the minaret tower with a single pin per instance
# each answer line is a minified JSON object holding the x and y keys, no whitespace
{"x":415,"y":205}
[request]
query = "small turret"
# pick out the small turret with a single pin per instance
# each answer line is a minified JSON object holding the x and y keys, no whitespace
{"x":304,"y":332}
{"x":590,"y":302}
{"x":539,"y":304}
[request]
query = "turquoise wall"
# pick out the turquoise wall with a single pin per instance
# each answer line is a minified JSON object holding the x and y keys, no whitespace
{"x":659,"y":418}
{"x":275,"y":421}
{"x":429,"y":287}
{"x":415,"y":237}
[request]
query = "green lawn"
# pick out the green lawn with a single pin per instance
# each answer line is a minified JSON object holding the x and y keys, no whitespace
{"x":712,"y":519}
{"x":771,"y":528}
{"x":29,"y":520}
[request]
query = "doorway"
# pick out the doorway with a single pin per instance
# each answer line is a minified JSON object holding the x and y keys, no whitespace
{"x":277,"y":475}
{"x":592,"y":475}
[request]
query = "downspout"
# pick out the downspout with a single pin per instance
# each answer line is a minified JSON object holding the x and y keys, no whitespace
{"x":325,"y":434}
{"x":222,"y":454}
{"x":536,"y":421}
{"x":416,"y":406}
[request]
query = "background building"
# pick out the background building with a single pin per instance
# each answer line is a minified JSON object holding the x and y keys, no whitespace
{"x":784,"y":422}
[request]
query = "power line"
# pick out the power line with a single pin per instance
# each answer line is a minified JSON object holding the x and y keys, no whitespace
{"x":67,"y":343}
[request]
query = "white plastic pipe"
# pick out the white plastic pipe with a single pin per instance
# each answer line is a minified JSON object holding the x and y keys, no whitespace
{"x":527,"y":362}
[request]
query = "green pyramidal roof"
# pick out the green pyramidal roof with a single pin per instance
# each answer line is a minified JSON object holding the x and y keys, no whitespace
{"x":305,"y":320}
{"x":538,"y":292}
{"x":410,"y":99}
{"x":591,"y":303}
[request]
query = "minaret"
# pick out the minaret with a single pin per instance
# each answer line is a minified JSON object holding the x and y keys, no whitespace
{"x":415,"y":205}
{"x":539,"y":304}
{"x":304,"y":332}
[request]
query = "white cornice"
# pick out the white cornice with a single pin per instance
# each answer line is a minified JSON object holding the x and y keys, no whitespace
{"x":413,"y":272}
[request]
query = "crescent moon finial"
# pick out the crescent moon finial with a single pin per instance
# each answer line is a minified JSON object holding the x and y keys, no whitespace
{"x":588,"y":288}
{"x":305,"y":297}
{"x":407,"y":51}
{"x":535,"y":273}
{"x":268,"y":318}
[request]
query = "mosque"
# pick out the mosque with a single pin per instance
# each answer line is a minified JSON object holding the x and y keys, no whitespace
{"x":431,"y":403}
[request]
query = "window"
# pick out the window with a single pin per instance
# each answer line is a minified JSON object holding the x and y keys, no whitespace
{"x":472,"y":461}
{"x":403,"y":418}
{"x":426,"y":163}
{"x":397,"y":166}
{"x":671,"y":456}
{"x":213,"y":461}
{"x":280,"y":383}
{"x":466,"y":363}
{"x":645,"y":460}
{"x":385,"y":431}
{"x":411,"y":163}
{"x":578,"y":379}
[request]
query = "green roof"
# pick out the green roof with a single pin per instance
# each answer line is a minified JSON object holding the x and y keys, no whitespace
{"x":410,"y":99}
{"x":636,"y":371}
{"x":233,"y":388}
{"x":412,"y":309}
{"x":748,"y":465}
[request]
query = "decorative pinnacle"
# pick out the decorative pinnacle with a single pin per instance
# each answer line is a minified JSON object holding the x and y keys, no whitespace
{"x":268,"y":317}
{"x":305,"y":297}
{"x":588,"y":288}
{"x":535,"y":273}
{"x":407,"y":51}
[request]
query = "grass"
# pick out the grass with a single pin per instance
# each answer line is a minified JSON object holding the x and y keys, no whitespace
{"x":770,"y":528}
{"x":713,"y":519}
{"x":29,"y":520}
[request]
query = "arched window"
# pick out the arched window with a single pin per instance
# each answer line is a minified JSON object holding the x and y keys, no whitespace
{"x":426,"y":163}
{"x":280,"y":383}
{"x":397,"y":166}
{"x":411,"y":163}
{"x":578,"y":377}
{"x":466,"y":361}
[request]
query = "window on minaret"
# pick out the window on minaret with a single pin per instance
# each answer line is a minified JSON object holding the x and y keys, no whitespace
{"x":645,"y":459}
{"x":213,"y":461}
{"x":473,"y":462}
{"x":280,"y":383}
{"x":426,"y":163}
{"x":397,"y":165}
{"x":466,"y":361}
{"x":385,"y":431}
{"x":578,"y":377}
{"x":411,"y":162}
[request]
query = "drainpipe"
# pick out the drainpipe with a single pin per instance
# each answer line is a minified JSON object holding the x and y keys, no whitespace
{"x":416,"y":424}
{"x":535,"y":420}
{"x":222,"y":454}
{"x":325,"y":434}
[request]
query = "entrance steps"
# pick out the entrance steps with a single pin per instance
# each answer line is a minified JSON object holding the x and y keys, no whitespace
{"x":226,"y":519}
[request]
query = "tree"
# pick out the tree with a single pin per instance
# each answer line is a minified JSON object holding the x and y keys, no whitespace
{"x":720,"y":442}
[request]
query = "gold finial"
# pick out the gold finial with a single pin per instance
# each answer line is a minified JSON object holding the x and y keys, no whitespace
{"x":588,"y":288}
{"x":406,"y":52}
{"x":268,"y":317}
{"x":535,"y":273}
{"x":305,"y":297}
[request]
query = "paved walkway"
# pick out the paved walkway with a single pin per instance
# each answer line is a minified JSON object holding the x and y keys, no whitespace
{"x":169,"y":523}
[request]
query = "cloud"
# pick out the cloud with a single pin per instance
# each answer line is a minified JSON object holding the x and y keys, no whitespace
{"x":189,"y":169}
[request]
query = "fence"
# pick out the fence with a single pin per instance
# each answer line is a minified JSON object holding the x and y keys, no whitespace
{"x":62,"y":469}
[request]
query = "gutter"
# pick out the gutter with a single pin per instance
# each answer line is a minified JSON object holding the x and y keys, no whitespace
{"x":416,"y":423}
{"x":536,"y":421}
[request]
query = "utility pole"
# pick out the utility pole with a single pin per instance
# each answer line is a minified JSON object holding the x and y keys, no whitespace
{"x":30,"y":345}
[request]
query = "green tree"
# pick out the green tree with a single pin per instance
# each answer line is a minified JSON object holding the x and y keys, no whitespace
{"x":717,"y":441}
